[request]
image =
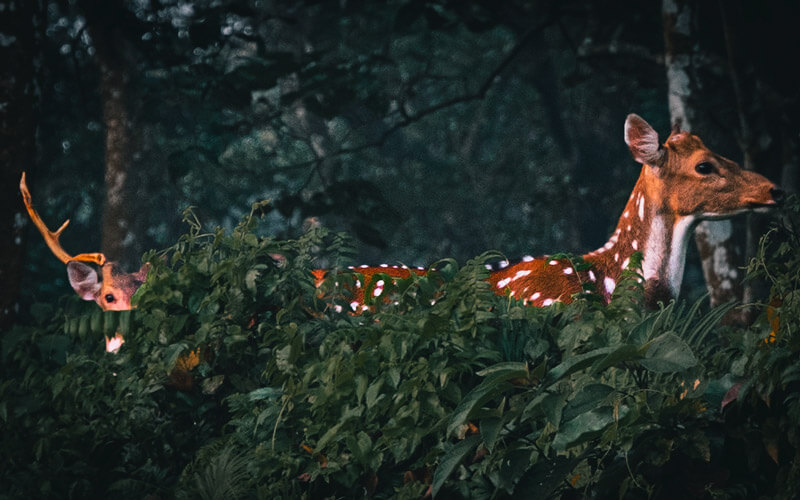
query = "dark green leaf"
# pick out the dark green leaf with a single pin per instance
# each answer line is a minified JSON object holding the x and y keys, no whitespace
{"x":451,"y":459}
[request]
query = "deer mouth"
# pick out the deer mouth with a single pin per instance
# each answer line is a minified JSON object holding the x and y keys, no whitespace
{"x":763,"y":208}
{"x":751,"y":207}
{"x":774,"y":198}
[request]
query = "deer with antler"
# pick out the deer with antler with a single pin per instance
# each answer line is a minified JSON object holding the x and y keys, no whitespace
{"x":113,"y":292}
{"x":681,"y":183}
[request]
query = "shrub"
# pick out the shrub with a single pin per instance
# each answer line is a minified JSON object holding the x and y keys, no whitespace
{"x":239,"y":379}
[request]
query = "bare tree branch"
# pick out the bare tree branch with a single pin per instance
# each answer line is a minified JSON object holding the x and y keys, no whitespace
{"x":408,"y":119}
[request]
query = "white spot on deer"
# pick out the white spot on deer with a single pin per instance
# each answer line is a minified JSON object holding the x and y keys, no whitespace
{"x":527,"y":258}
{"x":365,"y":308}
{"x":358,"y":283}
{"x":384,"y":265}
{"x":337,"y":308}
{"x":635,"y":245}
{"x":351,"y":267}
{"x":363,"y":266}
{"x":628,"y":228}
{"x":512,"y":293}
{"x":616,"y":257}
{"x":625,"y":263}
{"x":503,"y":282}
{"x":378,"y":288}
{"x":641,"y":208}
{"x":503,"y":264}
{"x":568,"y":270}
{"x":520,"y":274}
{"x":610,"y":284}
{"x":354,"y":305}
{"x":547,"y":302}
{"x":420,"y":268}
{"x":488,"y":266}
{"x":608,"y":245}
{"x":536,"y":296}
{"x":625,"y":214}
{"x":553,"y":262}
{"x":404,"y":266}
{"x":592,"y":276}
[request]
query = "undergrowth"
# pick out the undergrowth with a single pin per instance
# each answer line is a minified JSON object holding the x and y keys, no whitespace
{"x":238,"y":379}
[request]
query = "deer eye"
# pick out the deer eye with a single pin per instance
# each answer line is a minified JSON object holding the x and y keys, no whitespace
{"x":110,"y":298}
{"x":704,"y":168}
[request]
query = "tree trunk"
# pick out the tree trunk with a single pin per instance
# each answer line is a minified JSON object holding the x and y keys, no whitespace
{"x":103,"y":21}
{"x":716,"y":240}
{"x":17,"y":143}
{"x":117,"y":210}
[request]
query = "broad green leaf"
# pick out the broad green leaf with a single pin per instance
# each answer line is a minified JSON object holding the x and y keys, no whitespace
{"x":507,"y":367}
{"x":588,"y":398}
{"x":373,"y":393}
{"x":668,"y":353}
{"x":492,"y":386}
{"x":535,"y":348}
{"x":451,"y":459}
{"x":625,"y":352}
{"x":263,"y":393}
{"x":490,"y":429}
{"x":576,"y":363}
{"x":361,"y":386}
{"x":546,"y":404}
{"x":329,"y":435}
{"x":586,"y":426}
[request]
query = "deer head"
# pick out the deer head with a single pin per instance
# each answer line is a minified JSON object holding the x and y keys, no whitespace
{"x":684,"y":178}
{"x":111,"y":290}
{"x":681,"y":183}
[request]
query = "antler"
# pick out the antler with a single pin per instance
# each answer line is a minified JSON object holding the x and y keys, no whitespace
{"x":50,"y":237}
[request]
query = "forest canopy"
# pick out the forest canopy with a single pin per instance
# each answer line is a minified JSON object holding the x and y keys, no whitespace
{"x":424,"y":129}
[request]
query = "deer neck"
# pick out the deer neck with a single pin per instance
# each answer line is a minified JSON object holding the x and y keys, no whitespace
{"x":659,"y":234}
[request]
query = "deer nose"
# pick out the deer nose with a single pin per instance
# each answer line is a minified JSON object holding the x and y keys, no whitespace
{"x":777,"y":194}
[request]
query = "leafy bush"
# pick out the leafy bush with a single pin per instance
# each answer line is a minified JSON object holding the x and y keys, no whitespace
{"x":239,"y":379}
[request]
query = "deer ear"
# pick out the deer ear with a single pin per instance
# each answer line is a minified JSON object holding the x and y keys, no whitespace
{"x":83,"y":280}
{"x":141,"y":274}
{"x":642,"y":140}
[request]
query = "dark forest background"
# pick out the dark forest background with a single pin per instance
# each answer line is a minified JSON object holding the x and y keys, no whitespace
{"x":425,"y":129}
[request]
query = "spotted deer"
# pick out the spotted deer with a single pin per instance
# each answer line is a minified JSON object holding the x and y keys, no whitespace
{"x":681,"y":183}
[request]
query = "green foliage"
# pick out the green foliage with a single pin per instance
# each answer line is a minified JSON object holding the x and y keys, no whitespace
{"x":765,"y":363}
{"x":238,"y":380}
